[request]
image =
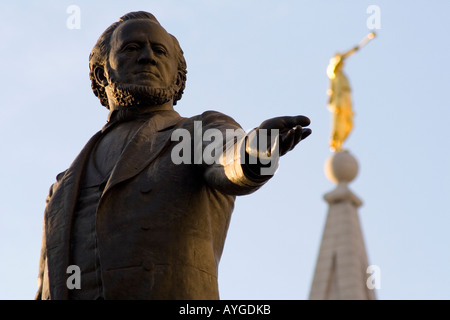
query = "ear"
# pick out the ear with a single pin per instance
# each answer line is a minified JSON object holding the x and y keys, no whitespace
{"x":100,"y":76}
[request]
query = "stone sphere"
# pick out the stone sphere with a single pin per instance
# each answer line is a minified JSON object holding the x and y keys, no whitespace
{"x":341,"y":167}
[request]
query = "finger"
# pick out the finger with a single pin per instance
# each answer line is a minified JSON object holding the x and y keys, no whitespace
{"x":298,"y":133}
{"x":297,"y":121}
{"x":305,"y":133}
{"x":287,"y":141}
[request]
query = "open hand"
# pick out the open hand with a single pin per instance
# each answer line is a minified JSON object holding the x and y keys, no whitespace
{"x":291,"y":131}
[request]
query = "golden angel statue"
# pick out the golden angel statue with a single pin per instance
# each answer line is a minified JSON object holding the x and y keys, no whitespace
{"x":340,"y":100}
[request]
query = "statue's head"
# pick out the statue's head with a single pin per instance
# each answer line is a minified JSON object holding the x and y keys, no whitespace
{"x":136,"y":62}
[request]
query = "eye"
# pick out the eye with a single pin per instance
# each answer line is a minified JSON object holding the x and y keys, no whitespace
{"x":160,"y":50}
{"x":131,"y":47}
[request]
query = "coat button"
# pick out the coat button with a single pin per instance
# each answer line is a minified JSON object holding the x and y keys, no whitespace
{"x":148,"y":265}
{"x":145,"y":228}
{"x":146,"y":187}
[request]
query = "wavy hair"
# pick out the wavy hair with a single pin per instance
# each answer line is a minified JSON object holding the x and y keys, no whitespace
{"x":100,"y":53}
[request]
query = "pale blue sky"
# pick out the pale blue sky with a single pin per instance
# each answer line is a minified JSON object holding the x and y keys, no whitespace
{"x":252,"y":60}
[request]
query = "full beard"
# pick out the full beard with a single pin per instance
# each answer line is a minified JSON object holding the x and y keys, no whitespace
{"x":128,"y":95}
{"x":131,"y":99}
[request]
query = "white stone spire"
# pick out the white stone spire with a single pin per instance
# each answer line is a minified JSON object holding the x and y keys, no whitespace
{"x":341,"y":268}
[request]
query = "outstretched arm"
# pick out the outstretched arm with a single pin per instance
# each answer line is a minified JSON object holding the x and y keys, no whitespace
{"x":250,"y":159}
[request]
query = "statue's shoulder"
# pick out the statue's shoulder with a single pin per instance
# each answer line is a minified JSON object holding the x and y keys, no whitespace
{"x":60,"y":175}
{"x":54,"y":185}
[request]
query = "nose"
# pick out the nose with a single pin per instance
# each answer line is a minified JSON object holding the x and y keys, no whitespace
{"x":147,"y":56}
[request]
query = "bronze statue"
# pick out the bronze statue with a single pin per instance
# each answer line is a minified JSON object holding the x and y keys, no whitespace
{"x":139,"y":223}
{"x":340,"y":100}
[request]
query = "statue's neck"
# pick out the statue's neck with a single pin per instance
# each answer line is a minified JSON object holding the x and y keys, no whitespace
{"x":142,"y":109}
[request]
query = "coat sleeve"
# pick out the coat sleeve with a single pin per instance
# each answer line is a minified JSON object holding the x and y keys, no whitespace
{"x":43,"y":256}
{"x":228,"y":168}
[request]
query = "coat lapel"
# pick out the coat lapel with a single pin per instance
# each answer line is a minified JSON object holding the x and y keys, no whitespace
{"x":144,"y":147}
